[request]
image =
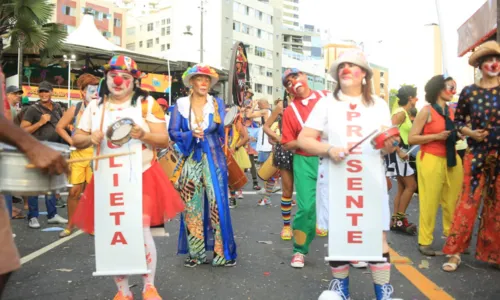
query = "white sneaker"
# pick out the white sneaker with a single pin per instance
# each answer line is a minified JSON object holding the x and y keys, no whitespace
{"x":359,"y":264}
{"x":262,"y":191}
{"x":33,"y":223}
{"x":297,"y":260}
{"x":263,"y":202}
{"x":330,"y":295}
{"x":57,"y":219}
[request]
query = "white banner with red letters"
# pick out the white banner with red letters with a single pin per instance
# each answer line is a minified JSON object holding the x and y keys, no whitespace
{"x":119,"y":240}
{"x":355,"y":188}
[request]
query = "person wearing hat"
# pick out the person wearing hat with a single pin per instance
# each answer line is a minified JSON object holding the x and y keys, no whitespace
{"x":40,"y":120}
{"x":81,"y":172}
{"x":477,"y":108}
{"x":353,"y":105}
{"x":197,"y":127}
{"x":121,"y":97}
{"x":14,"y":95}
{"x":164,"y":106}
{"x":305,"y":165}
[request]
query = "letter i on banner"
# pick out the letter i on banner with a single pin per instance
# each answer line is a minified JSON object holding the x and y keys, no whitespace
{"x":119,"y":239}
{"x":355,"y":189}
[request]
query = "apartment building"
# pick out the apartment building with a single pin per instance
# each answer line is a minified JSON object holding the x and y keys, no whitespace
{"x":109,"y":19}
{"x":150,"y":34}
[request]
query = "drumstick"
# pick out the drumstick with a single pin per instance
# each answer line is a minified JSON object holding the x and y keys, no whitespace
{"x":100,"y":128}
{"x":82,"y":159}
{"x":362,"y":141}
{"x":226,"y":129}
{"x":412,"y":149}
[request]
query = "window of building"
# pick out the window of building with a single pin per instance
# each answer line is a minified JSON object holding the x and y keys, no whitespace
{"x":117,"y":40}
{"x":247,"y":10}
{"x":163,"y":31}
{"x":269,"y":73}
{"x":382,"y":85}
{"x":168,"y":46}
{"x":235,"y":6}
{"x":262,"y":70}
{"x":258,"y":88}
{"x":157,"y":41}
{"x":236,"y":26}
{"x":140,"y":44}
{"x":168,"y":21}
{"x":259,"y":33}
{"x":149,"y":43}
{"x":258,"y":14}
{"x":381,"y":74}
{"x":163,"y":21}
{"x":117,"y":22}
{"x":259,"y":51}
{"x":131,"y":31}
{"x":269,"y":90}
{"x":269,"y":54}
{"x":157,"y":24}
{"x":130,"y":46}
{"x":168,"y":30}
{"x":150,"y":27}
{"x":242,"y":9}
{"x":163,"y":47}
{"x":68,"y":11}
{"x":251,"y":11}
{"x":245,"y":28}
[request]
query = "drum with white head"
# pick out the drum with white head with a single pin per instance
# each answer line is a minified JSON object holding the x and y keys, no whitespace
{"x":231,"y":116}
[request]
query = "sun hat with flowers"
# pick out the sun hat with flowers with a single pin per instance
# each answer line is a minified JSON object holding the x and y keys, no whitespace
{"x":200,"y":69}
{"x":123,"y":63}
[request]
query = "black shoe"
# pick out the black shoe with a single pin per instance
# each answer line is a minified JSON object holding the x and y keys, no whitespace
{"x":232,"y":202}
{"x":192,"y":262}
{"x":230,"y":263}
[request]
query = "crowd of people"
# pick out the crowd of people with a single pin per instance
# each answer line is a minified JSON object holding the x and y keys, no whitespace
{"x":456,"y":165}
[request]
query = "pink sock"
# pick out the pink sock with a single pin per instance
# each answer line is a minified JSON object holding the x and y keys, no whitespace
{"x":150,"y":247}
{"x":122,"y":285}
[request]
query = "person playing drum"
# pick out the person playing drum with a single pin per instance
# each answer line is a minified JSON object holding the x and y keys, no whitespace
{"x":81,"y":172}
{"x":304,"y":164}
{"x":120,"y":94}
{"x":197,"y":126}
{"x":238,"y":138}
{"x":353,"y":95}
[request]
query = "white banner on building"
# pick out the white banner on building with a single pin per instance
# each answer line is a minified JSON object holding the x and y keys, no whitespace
{"x":119,"y":240}
{"x":356,"y":189}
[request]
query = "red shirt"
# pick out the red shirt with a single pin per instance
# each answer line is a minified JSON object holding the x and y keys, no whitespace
{"x":291,"y":125}
{"x":436,"y":125}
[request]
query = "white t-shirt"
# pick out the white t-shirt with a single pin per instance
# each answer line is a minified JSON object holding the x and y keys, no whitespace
{"x":113,"y":110}
{"x":263,"y":144}
{"x":167,"y":121}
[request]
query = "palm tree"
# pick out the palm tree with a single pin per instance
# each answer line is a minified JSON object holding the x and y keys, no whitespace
{"x":26,"y":23}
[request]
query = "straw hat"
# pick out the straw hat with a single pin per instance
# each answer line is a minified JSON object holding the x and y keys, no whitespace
{"x":200,"y":69}
{"x":485,"y":49}
{"x":356,"y":57}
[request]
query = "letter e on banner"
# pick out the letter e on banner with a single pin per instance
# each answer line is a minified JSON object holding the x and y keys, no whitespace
{"x":354,"y":237}
{"x":354,"y":184}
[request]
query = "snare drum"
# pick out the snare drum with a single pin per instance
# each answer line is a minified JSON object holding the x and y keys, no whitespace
{"x":236,"y":178}
{"x":379,"y":139}
{"x":231,"y":116}
{"x":17,"y":180}
{"x":118,"y":133}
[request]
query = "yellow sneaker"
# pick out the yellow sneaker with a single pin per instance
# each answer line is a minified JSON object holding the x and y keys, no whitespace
{"x":151,"y":293}
{"x":321,"y":232}
{"x":120,"y":296}
{"x":286,"y":233}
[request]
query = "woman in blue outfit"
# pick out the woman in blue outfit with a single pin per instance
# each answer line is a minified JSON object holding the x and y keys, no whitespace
{"x":197,"y":127}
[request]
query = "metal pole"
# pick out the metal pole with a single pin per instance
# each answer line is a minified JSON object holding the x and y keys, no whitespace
{"x":169,"y":83}
{"x":201,"y":33}
{"x":498,"y":21}
{"x":20,"y":64}
{"x":69,"y":82}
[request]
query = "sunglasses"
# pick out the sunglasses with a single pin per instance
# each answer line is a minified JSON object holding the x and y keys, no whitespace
{"x":451,"y":88}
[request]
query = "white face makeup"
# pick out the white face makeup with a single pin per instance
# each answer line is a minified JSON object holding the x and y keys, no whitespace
{"x":120,"y":83}
{"x":91,"y":93}
{"x":491,"y":66}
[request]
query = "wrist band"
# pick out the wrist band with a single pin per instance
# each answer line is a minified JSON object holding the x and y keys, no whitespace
{"x":328,"y":151}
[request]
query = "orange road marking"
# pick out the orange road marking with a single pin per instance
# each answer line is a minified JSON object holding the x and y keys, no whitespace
{"x":422,"y":283}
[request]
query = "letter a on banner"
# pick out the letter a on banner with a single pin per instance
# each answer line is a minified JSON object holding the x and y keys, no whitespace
{"x":119,"y":240}
{"x":356,"y":187}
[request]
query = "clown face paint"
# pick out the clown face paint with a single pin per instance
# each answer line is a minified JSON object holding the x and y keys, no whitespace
{"x":491,"y":66}
{"x":350,"y":75}
{"x":296,"y":84}
{"x":120,"y":84}
{"x":91,"y":93}
{"x":449,"y":91}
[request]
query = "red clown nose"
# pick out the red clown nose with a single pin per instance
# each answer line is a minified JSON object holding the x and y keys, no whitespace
{"x":118,"y":80}
{"x":346,"y":71}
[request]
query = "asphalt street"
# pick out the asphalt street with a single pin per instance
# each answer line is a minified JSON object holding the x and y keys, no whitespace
{"x":263,"y":271}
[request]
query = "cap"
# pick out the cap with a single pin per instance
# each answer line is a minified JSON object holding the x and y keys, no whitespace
{"x":45,"y":86}
{"x":289,"y":72}
{"x":13,"y":89}
{"x":162,"y":102}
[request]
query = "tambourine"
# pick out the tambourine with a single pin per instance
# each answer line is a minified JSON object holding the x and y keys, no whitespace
{"x":118,"y":133}
{"x":231,"y":116}
{"x":379,"y":139}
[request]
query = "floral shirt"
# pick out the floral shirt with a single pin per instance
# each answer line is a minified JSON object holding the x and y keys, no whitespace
{"x":479,"y":108}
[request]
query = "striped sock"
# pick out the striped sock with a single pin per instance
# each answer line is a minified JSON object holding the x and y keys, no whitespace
{"x":269,"y":187}
{"x":286,"y":210}
{"x":381,"y":273}
{"x":341,"y":272}
{"x":232,"y":194}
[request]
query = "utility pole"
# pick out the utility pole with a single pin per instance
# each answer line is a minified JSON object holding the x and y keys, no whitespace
{"x":201,"y":32}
